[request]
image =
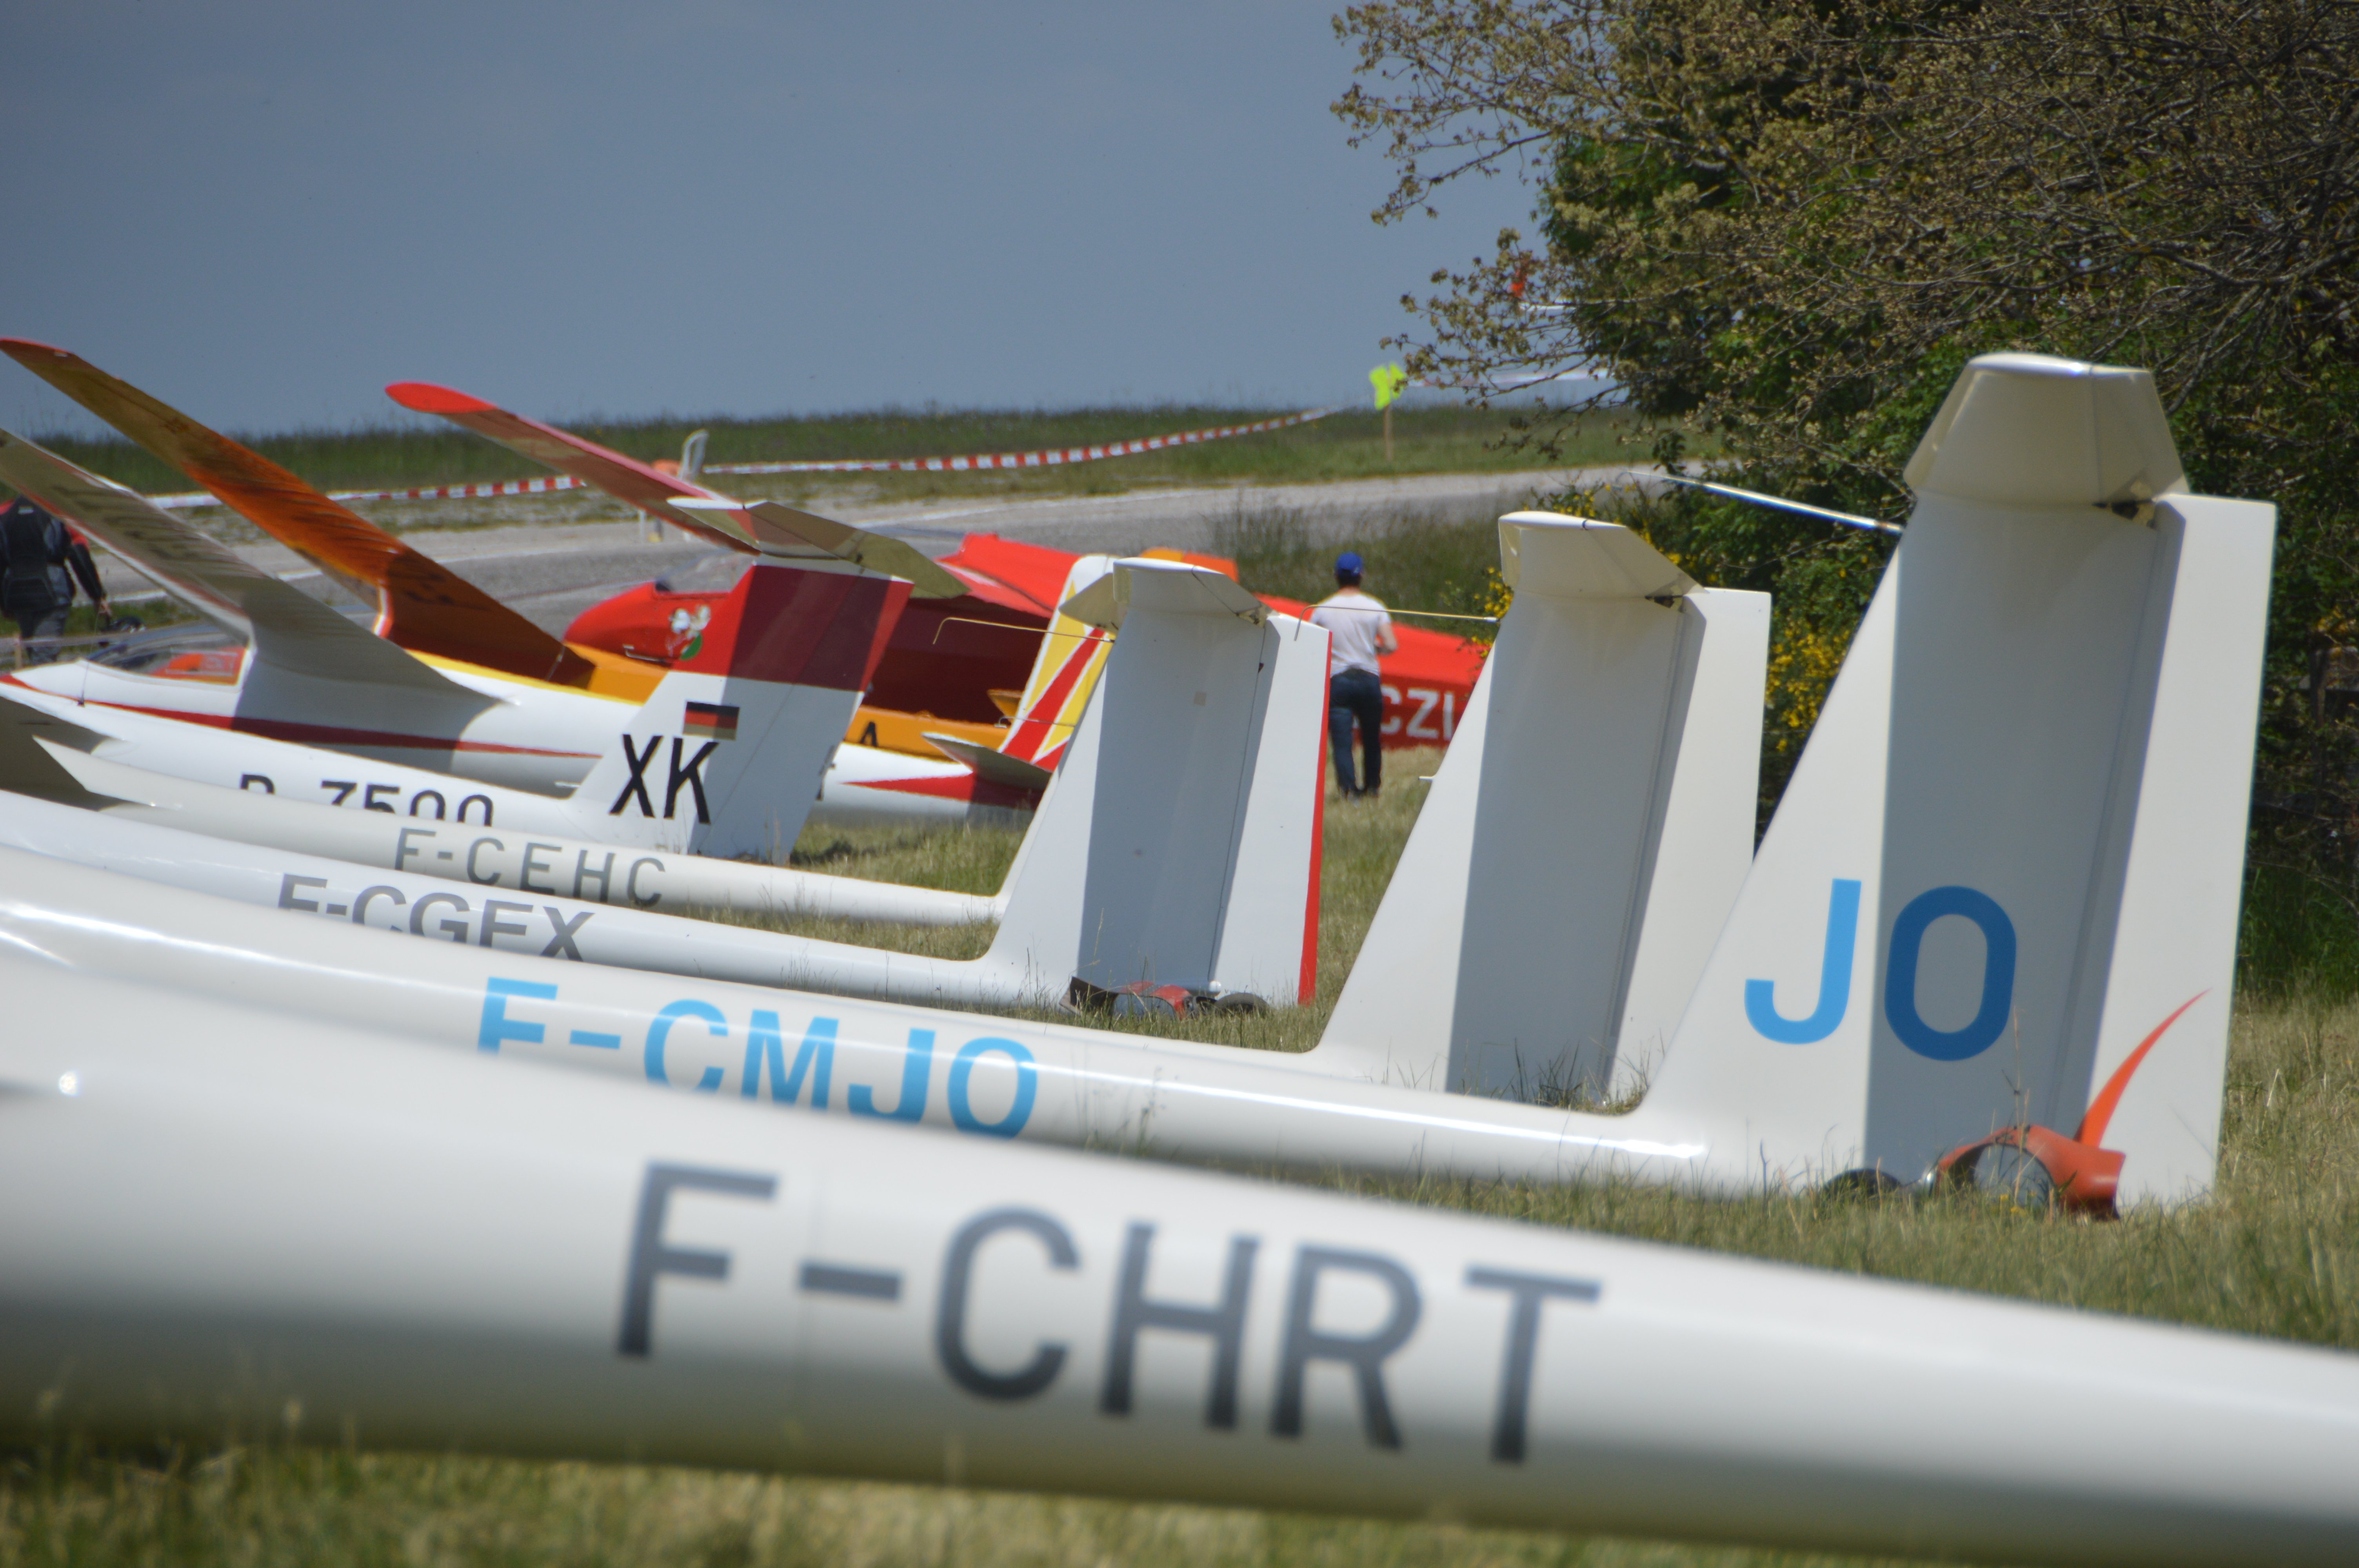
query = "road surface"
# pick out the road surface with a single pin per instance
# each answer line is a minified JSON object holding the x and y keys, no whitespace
{"x":553,"y":568}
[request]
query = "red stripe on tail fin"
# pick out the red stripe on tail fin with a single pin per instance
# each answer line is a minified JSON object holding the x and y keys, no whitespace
{"x":1034,"y":734}
{"x":1308,"y":986}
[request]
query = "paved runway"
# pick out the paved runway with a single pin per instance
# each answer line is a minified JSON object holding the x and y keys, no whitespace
{"x":553,"y":569}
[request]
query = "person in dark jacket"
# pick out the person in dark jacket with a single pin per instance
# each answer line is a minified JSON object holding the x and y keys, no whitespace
{"x":41,"y":560}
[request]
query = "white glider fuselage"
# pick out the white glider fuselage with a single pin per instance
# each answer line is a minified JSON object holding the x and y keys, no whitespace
{"x":493,"y":728}
{"x":318,"y":1232}
{"x":2031,"y":860}
{"x":522,"y":735}
{"x":744,"y":718}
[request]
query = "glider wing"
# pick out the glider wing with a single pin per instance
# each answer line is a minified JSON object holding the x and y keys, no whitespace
{"x":422,"y":604}
{"x":763,"y":528}
{"x":287,"y":627}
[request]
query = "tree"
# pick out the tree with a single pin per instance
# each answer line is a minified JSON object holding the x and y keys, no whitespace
{"x":1783,"y":226}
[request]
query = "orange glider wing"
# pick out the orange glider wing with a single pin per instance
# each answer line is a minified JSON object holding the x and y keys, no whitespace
{"x":422,"y":605}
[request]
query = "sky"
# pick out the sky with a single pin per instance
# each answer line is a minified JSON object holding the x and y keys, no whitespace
{"x":264,"y":211}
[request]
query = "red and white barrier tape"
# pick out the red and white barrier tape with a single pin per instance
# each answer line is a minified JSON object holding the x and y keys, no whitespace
{"x":1048,"y":458}
{"x":1051,"y":458}
{"x":436,"y":492}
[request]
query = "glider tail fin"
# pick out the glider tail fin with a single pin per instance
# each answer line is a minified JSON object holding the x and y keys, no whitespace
{"x":1584,"y":837}
{"x":1177,"y":846}
{"x":726,"y":756}
{"x":1066,"y":671}
{"x":2011,"y":855}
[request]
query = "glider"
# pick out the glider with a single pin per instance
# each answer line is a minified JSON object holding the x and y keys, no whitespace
{"x":433,"y":612}
{"x":2020,"y":819}
{"x":1179,"y":849}
{"x":278,"y":794}
{"x":1644,"y":687}
{"x":1428,"y":683}
{"x":721,"y":755}
{"x":213,"y":1216}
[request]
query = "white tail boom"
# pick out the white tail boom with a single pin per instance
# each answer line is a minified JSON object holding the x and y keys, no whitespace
{"x":215,"y":1221}
{"x":504,"y":839}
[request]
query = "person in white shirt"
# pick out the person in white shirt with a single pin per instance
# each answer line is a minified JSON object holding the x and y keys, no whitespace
{"x":1358,"y":629}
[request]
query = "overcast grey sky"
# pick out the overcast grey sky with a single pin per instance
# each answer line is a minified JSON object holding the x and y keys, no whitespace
{"x":263,"y":211}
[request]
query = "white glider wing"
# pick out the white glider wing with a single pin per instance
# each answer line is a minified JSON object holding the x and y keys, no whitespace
{"x":285,"y":626}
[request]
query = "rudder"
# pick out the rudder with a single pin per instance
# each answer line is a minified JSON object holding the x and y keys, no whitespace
{"x":731,"y":747}
{"x":1585,"y":836}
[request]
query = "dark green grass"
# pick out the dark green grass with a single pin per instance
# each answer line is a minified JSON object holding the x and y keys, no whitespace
{"x":1343,"y":445}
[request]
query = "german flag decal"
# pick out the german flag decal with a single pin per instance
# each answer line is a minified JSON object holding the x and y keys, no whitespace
{"x":710,"y":721}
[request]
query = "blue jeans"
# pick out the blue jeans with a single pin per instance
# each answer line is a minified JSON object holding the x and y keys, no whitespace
{"x":1356,"y":693}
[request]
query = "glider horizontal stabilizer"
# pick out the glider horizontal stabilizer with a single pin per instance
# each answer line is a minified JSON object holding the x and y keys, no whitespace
{"x":29,"y":768}
{"x":995,"y":766}
{"x":784,"y":530}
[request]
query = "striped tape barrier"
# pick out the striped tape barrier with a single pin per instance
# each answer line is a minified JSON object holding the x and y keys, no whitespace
{"x":433,"y":492}
{"x":979,"y":462}
{"x":1051,"y":458}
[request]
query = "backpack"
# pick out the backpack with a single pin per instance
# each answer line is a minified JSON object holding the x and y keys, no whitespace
{"x":33,"y":544}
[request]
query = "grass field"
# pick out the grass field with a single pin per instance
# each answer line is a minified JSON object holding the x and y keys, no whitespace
{"x":2275,"y":1252}
{"x":1347,"y":445}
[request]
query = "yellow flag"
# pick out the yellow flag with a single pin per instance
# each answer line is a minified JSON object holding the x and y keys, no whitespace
{"x":1390,"y":381}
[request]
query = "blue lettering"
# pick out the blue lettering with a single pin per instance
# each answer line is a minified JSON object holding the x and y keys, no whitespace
{"x":1834,"y":979}
{"x":659,"y":1032}
{"x":497,"y":1025}
{"x":917,"y":1068}
{"x":1998,"y":974}
{"x":1026,"y":1087}
{"x":817,"y":1057}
